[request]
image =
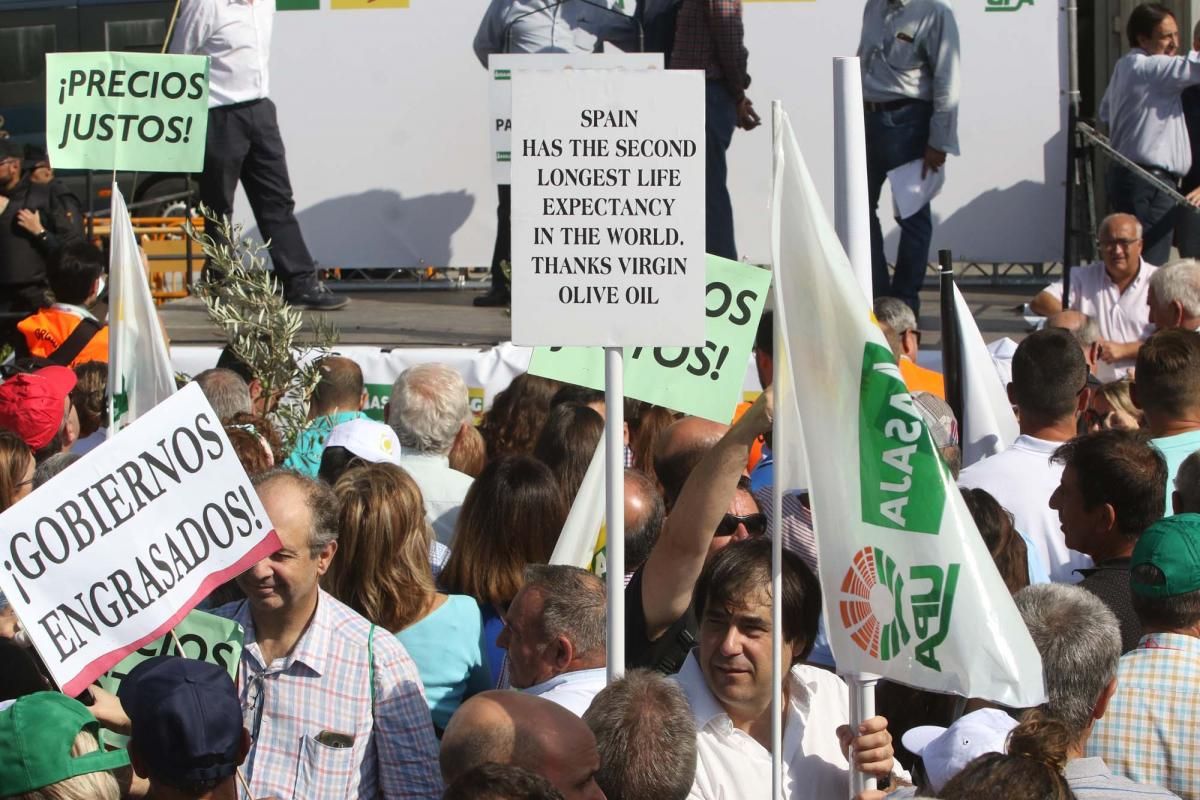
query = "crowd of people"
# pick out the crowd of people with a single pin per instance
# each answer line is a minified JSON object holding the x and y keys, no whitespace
{"x":411,"y":639}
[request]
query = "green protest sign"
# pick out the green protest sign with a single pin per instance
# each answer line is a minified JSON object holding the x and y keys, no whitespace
{"x":704,"y":381}
{"x":203,"y":636}
{"x":130,"y":111}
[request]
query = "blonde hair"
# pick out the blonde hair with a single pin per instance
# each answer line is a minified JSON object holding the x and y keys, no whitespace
{"x":381,"y":569}
{"x":89,"y":786}
{"x":1118,"y":396}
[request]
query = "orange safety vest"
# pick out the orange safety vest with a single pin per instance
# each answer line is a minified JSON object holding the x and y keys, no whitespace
{"x":918,"y":379}
{"x":46,"y":330}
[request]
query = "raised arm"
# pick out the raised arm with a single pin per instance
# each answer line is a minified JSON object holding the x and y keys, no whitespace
{"x":678,"y":557}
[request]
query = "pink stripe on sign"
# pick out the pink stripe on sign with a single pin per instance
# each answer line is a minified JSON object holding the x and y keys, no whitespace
{"x":104,"y":663}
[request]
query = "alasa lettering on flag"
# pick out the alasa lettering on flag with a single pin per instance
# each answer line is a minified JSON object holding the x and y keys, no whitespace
{"x":910,"y":591}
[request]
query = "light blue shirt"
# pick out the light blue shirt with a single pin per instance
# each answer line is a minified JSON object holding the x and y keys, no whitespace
{"x":448,"y":649}
{"x":1175,"y":449}
{"x":570,"y":26}
{"x":1143,"y":110}
{"x":910,"y":49}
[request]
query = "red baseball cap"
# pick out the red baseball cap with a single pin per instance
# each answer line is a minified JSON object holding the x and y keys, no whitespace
{"x":31,"y":403}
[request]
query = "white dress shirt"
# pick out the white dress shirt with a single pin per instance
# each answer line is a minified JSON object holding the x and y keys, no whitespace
{"x":1143,"y":110}
{"x":731,"y":765}
{"x":572,"y":690}
{"x":442,"y":487}
{"x":236,"y":36}
{"x":1022,"y":478}
{"x":1121,"y":316}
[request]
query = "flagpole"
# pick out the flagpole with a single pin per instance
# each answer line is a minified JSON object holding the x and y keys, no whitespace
{"x":862,"y":708}
{"x":952,"y":363}
{"x":778,"y":440}
{"x":614,"y":517}
{"x":851,"y":210}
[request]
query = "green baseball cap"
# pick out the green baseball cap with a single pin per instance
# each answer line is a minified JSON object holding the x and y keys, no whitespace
{"x":36,"y":735}
{"x":1173,"y":546}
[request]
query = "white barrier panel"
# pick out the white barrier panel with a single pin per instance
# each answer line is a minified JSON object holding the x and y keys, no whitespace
{"x":384,"y":115}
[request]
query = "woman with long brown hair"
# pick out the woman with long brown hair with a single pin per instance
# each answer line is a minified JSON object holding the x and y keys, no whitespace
{"x":382,"y":571}
{"x":510,"y":518}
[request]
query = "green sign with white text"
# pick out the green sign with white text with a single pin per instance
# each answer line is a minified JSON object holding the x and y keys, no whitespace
{"x":127,"y":111}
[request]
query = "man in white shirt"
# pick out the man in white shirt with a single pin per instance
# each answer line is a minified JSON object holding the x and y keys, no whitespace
{"x":1049,"y":382}
{"x":1143,"y":109}
{"x":728,"y":682}
{"x":429,"y":409}
{"x":243,"y":141}
{"x":1114,"y":292}
{"x":554,"y":633}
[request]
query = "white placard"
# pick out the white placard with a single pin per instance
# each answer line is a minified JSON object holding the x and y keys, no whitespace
{"x":501,"y":67}
{"x":115,"y":550}
{"x":608,"y":208}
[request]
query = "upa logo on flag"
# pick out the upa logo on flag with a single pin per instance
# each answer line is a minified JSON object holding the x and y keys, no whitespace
{"x":895,"y":452}
{"x":882,"y":618}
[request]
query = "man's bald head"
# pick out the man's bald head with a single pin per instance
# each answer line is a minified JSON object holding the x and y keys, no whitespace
{"x":508,"y":727}
{"x":680,"y":448}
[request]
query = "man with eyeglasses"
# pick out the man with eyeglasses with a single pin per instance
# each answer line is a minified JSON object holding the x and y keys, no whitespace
{"x":1114,"y":292}
{"x":713,"y":508}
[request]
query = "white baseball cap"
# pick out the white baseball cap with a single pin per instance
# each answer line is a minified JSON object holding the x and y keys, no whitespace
{"x":369,"y":440}
{"x":946,"y":751}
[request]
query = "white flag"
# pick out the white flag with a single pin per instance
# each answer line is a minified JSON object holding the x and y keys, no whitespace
{"x":988,"y":425}
{"x":910,"y":592}
{"x":139,"y":369}
{"x":581,"y":542}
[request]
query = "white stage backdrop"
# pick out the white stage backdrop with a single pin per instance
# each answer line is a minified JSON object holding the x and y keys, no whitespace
{"x":385,"y":111}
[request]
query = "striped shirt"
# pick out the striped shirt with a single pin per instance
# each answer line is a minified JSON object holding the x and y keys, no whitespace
{"x":1149,"y":732}
{"x":324,"y":686}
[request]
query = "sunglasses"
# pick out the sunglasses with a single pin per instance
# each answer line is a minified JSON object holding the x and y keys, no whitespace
{"x":755,"y":524}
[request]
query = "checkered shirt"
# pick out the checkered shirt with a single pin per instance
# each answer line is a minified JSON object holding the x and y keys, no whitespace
{"x":323,"y":685}
{"x":708,"y":36}
{"x":1149,"y":732}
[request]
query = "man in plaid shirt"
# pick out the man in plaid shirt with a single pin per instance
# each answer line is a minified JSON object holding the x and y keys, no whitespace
{"x":708,"y":36}
{"x":334,"y":706}
{"x":1149,"y":732}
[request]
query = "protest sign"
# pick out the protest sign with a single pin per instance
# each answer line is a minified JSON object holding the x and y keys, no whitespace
{"x":501,"y":67}
{"x":705,"y":381}
{"x":116,"y":550}
{"x":608,"y":208}
{"x":134,"y":111}
{"x":202,"y":636}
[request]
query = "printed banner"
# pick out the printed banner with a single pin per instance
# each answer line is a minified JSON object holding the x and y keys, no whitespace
{"x":608,"y":208}
{"x":910,"y":591}
{"x":128,"y":111}
{"x":116,"y":550}
{"x":705,"y":381}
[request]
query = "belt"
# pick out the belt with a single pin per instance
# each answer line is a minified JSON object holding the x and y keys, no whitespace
{"x":890,"y":105}
{"x":1161,"y":172}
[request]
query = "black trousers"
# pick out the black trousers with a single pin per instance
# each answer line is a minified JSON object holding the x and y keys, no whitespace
{"x":503,"y":249}
{"x":244,"y":144}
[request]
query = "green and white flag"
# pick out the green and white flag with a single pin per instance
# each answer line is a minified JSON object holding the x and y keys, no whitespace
{"x":910,"y":591}
{"x":139,"y":369}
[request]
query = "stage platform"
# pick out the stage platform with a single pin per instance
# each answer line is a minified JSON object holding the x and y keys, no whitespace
{"x":445,"y":318}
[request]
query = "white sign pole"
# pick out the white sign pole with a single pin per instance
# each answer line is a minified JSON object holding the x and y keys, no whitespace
{"x":851,"y":209}
{"x":614,"y":415}
{"x":778,"y":439}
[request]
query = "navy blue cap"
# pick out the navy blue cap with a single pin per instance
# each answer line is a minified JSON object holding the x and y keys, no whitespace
{"x":186,"y":719}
